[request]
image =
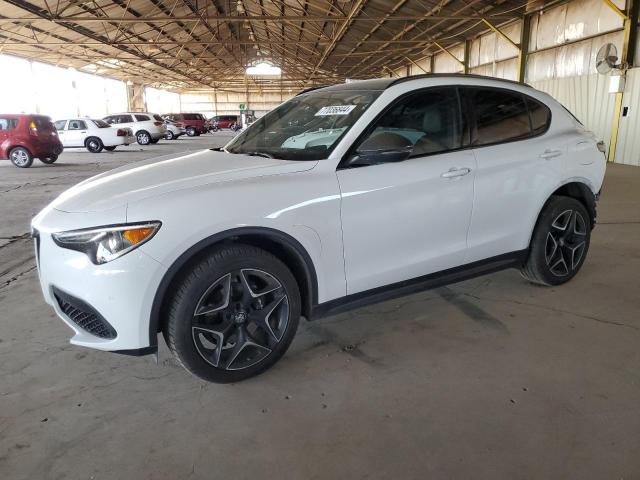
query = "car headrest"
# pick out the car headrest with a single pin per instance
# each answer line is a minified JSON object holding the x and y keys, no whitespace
{"x":432,"y":120}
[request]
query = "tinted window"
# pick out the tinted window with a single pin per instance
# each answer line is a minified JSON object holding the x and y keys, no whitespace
{"x":429,"y":119}
{"x":157,"y":117}
{"x":500,"y":115}
{"x":191,"y":116}
{"x":540,"y":116}
{"x":60,"y":124}
{"x":8,"y":123}
{"x":142,"y":118}
{"x":101,"y":124}
{"x":43,"y":123}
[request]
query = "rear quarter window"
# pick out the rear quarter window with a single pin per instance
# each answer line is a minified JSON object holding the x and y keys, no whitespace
{"x":540,"y":116}
{"x":8,"y":123}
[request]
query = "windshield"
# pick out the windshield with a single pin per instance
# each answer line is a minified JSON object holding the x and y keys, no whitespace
{"x":307,"y":127}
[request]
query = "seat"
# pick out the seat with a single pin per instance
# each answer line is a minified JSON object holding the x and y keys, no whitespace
{"x":434,"y":138}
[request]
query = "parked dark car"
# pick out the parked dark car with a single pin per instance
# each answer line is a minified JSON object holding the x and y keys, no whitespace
{"x":194,"y":123}
{"x":25,"y":137}
{"x":224,"y":121}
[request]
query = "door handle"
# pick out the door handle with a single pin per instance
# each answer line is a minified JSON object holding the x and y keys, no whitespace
{"x":549,"y":154}
{"x":456,"y":172}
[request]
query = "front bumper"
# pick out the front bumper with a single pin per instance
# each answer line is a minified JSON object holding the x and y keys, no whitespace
{"x":107,"y":306}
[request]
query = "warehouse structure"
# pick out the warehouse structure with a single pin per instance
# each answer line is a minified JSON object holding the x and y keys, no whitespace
{"x":193,"y":55}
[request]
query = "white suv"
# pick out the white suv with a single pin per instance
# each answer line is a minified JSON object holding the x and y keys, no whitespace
{"x":340,"y":197}
{"x":147,"y":127}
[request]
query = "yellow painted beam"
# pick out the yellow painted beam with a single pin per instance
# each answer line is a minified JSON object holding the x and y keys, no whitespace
{"x":416,"y":64}
{"x":500,"y":32}
{"x":449,"y":52}
{"x":615,"y":8}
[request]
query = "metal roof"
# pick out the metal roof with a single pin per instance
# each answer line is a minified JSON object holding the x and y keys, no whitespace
{"x":203,"y":44}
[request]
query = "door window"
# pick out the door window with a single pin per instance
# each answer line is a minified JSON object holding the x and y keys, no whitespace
{"x":501,"y":115}
{"x":77,"y":125}
{"x":142,"y":118}
{"x":60,"y":124}
{"x":8,"y":123}
{"x":429,"y":119}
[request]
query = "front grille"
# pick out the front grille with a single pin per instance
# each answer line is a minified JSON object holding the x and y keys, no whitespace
{"x":84,"y":315}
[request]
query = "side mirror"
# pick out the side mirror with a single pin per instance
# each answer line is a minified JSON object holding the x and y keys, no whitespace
{"x":384,"y":147}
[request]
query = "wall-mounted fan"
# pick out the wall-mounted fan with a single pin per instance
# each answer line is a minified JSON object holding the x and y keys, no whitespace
{"x":607,"y":58}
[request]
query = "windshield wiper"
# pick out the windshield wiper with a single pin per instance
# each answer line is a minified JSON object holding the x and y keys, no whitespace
{"x":259,"y":154}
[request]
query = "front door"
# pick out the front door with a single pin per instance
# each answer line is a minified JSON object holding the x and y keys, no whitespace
{"x":405,"y":219}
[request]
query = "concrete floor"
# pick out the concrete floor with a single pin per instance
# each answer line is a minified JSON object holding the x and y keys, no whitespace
{"x":490,"y":378}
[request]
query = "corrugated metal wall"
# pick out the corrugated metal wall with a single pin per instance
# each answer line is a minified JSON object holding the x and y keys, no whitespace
{"x":628,"y":146}
{"x":587,"y":97}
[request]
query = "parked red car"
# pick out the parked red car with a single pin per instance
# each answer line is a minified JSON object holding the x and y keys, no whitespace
{"x":224,"y":121}
{"x":23,"y":137}
{"x":194,"y":123}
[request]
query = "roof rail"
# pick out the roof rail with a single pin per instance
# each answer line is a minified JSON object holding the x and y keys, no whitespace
{"x":455,"y":75}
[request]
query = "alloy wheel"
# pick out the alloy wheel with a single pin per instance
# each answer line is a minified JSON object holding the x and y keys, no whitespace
{"x":240,"y":319}
{"x":566,"y":242}
{"x":93,"y":145}
{"x":19,"y":158}
{"x":143,"y":138}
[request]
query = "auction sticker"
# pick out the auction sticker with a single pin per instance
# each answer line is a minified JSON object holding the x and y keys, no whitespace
{"x":335,"y":110}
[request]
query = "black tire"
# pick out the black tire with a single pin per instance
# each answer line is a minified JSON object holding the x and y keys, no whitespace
{"x":229,"y":269}
{"x":560,"y":242}
{"x":49,"y":160}
{"x":111,"y":148}
{"x":155,"y":140}
{"x":93,"y":144}
{"x":21,"y":157}
{"x":169,"y":135}
{"x":143,"y":137}
{"x":191,"y":132}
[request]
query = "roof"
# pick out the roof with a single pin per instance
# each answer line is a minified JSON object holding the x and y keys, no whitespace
{"x":202,"y":45}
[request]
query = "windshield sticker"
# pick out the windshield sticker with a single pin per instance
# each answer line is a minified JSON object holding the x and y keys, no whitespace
{"x":335,"y":110}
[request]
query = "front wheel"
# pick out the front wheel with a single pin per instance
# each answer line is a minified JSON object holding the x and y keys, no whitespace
{"x":560,"y":242}
{"x":49,"y":160}
{"x":169,"y":135}
{"x":191,"y":132}
{"x":21,"y":157}
{"x":234,"y":314}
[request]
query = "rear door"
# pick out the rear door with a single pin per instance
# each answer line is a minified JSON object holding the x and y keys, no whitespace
{"x":519,"y":162}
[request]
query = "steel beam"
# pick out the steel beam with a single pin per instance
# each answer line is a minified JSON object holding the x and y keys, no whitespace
{"x":447,"y":51}
{"x":525,"y":34}
{"x":254,"y":18}
{"x":631,"y":17}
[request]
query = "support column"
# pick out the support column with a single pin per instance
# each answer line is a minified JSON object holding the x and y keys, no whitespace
{"x":467,"y":54}
{"x":525,"y":34}
{"x":135,"y":97}
{"x":630,"y":16}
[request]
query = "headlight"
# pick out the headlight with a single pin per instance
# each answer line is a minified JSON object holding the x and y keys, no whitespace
{"x":103,"y":244}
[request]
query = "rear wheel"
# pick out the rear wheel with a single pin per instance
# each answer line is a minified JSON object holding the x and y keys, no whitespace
{"x":234,"y":314}
{"x":94,"y":144}
{"x":49,"y":160}
{"x":21,"y":157}
{"x":110,"y":149}
{"x":169,"y":135}
{"x":560,"y":242}
{"x":191,"y":132}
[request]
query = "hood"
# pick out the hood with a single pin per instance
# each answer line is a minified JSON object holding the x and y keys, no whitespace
{"x":158,"y":176}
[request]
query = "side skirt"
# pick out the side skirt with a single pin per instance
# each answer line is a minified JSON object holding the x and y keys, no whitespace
{"x":419,"y":284}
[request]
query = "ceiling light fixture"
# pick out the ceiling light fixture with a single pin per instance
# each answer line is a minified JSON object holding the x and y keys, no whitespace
{"x":263,"y":69}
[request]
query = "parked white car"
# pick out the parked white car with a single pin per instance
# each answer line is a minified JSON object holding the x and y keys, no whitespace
{"x":340,"y":197}
{"x":147,"y":127}
{"x":174,"y":129}
{"x":94,"y":135}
